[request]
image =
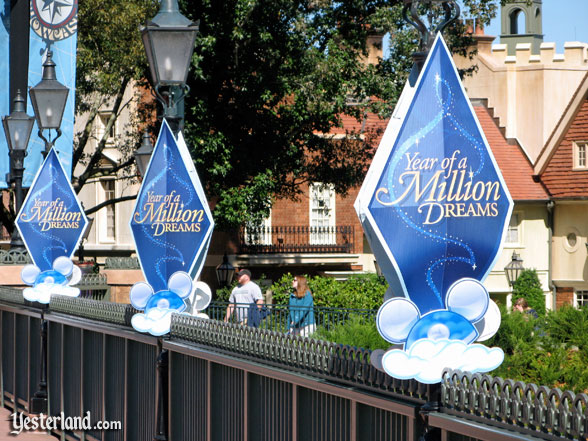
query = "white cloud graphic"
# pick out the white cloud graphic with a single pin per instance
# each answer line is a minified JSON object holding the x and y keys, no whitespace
{"x":426,"y":359}
{"x":156,"y":322}
{"x":42,"y":292}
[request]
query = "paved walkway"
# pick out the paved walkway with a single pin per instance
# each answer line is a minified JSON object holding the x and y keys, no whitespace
{"x":6,"y":428}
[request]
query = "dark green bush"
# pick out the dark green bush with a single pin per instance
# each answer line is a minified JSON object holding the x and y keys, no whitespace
{"x":357,"y":332}
{"x":528,"y":286}
{"x":362,"y":291}
{"x":550,"y":351}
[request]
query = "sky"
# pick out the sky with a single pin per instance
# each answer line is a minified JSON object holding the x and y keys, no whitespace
{"x":563,"y":20}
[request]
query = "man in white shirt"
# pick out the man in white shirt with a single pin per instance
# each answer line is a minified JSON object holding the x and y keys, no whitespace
{"x":242,"y":296}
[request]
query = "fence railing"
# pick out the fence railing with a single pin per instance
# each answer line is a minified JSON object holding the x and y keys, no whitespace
{"x":232,"y":382}
{"x":94,"y":286}
{"x":277,"y":317}
{"x":297,"y":239}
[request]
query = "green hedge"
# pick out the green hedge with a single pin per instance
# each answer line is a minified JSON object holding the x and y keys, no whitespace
{"x":550,"y":351}
{"x":362,"y":291}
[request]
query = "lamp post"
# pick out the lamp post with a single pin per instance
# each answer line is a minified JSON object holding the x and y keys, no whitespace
{"x":451,"y":11}
{"x":17,"y":129}
{"x":49,"y":97}
{"x":143,"y":154}
{"x":514,"y":269}
{"x":169,"y":42}
{"x":225,"y":272}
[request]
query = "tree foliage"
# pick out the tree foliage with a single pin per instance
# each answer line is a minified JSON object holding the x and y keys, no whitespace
{"x":528,"y":287}
{"x":268,"y":78}
{"x":550,"y":351}
{"x":110,"y":65}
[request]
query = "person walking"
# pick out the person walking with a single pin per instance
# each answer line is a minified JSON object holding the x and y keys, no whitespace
{"x":301,"y":308}
{"x":243,"y":295}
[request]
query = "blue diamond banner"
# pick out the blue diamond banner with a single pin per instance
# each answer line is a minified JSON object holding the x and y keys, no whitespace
{"x":435,"y":209}
{"x":51,"y":221}
{"x":171,"y":223}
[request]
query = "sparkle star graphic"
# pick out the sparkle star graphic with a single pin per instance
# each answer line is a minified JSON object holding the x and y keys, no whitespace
{"x":54,"y":7}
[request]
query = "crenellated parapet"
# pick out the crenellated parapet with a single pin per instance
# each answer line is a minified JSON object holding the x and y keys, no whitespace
{"x":575,"y":54}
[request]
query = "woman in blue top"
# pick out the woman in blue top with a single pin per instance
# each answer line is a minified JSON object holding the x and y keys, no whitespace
{"x":301,"y":308}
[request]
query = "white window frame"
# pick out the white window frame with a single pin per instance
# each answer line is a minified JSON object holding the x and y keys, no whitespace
{"x":102,"y":215}
{"x":518,"y":228}
{"x":321,"y":213}
{"x":101,"y":122}
{"x":580,"y":155}
{"x":253,"y":237}
{"x":580,"y":298}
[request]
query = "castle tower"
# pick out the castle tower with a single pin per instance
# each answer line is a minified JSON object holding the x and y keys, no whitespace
{"x":522,"y":23}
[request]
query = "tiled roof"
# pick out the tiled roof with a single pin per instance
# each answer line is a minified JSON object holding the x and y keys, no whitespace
{"x":516,"y":168}
{"x":370,"y":124}
{"x":514,"y":165}
{"x":558,"y":176}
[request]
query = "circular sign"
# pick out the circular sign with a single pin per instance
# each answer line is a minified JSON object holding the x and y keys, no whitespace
{"x":54,"y":20}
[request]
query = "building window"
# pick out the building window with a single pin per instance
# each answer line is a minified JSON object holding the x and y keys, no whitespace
{"x":322,"y":214}
{"x":581,"y":299}
{"x":581,"y":155}
{"x":514,"y":230}
{"x":571,"y":240}
{"x":259,"y":234}
{"x":101,"y":123}
{"x":108,"y":214}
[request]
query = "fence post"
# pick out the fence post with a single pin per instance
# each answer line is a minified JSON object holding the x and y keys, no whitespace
{"x":39,"y":399}
{"x":433,"y":404}
{"x":161,"y":412}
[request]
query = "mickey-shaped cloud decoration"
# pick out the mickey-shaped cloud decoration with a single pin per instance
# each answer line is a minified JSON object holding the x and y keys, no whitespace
{"x":54,"y":281}
{"x":158,"y":306}
{"x":399,"y":321}
{"x":179,"y":287}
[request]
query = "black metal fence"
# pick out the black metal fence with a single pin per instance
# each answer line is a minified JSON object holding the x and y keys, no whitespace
{"x":232,"y":382}
{"x":297,"y":239}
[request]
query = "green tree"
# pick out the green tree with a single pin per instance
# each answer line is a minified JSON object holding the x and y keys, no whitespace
{"x":268,"y":77}
{"x":528,"y":287}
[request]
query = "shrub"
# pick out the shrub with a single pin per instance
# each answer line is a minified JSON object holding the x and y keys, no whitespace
{"x":357,"y":332}
{"x":529,"y":287}
{"x":362,"y":291}
{"x":550,"y":351}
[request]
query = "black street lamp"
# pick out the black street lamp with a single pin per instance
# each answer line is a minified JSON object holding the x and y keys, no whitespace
{"x":49,"y":97}
{"x":514,"y":269}
{"x":143,"y":154}
{"x":225,"y":272}
{"x":17,"y":129}
{"x":169,"y":42}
